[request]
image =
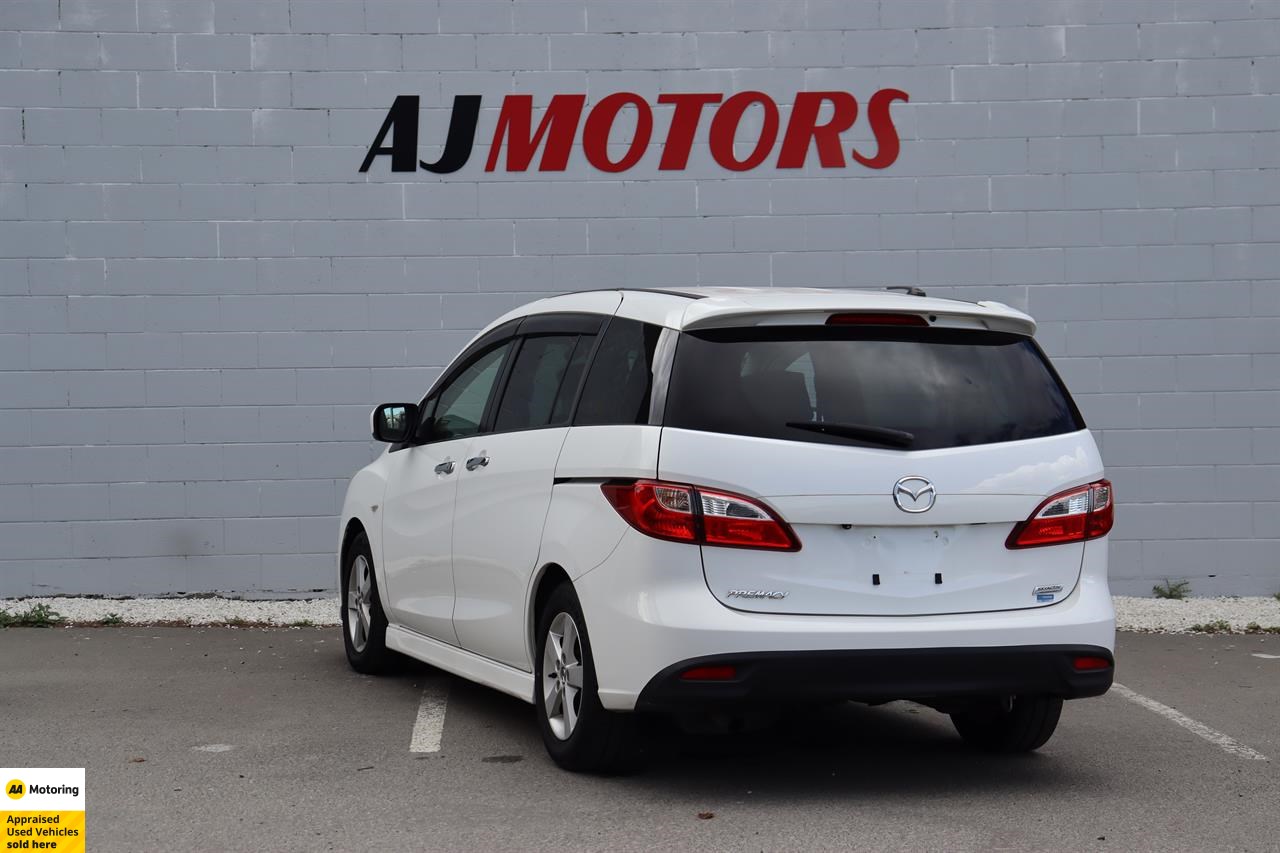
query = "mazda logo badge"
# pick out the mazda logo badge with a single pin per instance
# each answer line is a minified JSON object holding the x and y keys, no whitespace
{"x":914,"y":494}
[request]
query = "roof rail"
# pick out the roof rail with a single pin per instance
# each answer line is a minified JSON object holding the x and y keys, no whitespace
{"x":910,"y":291}
{"x":682,"y":293}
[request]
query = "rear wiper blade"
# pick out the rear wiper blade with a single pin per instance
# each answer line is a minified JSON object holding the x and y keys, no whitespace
{"x":865,"y":432}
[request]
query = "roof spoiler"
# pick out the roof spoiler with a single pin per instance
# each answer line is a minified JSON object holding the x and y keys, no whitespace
{"x":910,"y":291}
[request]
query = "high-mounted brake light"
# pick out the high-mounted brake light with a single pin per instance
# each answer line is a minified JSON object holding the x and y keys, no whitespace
{"x":684,"y":513}
{"x":876,"y":320}
{"x":1085,"y":512}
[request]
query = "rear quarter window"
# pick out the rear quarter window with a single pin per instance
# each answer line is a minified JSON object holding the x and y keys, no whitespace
{"x":620,"y":380}
{"x":840,"y":385}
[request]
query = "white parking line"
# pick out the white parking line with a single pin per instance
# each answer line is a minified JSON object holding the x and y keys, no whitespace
{"x":1225,"y":742}
{"x":428,"y":728}
{"x":1266,"y":656}
{"x":213,"y":747}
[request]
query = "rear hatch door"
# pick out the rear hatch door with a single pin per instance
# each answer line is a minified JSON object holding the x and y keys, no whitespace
{"x":902,"y":457}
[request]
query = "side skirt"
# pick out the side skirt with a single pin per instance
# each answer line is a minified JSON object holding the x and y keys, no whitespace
{"x":461,"y":662}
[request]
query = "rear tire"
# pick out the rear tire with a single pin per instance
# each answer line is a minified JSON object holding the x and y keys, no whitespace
{"x":579,"y":734}
{"x":1019,"y":724}
{"x":364,"y":625}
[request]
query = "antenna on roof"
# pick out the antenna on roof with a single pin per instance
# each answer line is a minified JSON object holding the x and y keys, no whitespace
{"x":910,"y":291}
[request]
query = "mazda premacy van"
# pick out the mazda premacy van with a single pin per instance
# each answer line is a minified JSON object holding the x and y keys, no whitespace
{"x":628,"y":502}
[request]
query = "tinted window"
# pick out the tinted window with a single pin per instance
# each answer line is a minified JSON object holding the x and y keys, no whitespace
{"x":945,"y":388}
{"x":539,"y":371}
{"x":621,"y":375}
{"x":460,"y":404}
{"x":572,"y":380}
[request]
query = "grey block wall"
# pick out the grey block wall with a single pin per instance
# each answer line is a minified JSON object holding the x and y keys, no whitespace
{"x":201,"y":296}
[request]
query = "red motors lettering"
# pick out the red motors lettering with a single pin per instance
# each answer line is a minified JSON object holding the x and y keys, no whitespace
{"x":519,"y":144}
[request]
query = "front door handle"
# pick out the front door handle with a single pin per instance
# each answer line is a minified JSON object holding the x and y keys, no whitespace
{"x":477,"y":462}
{"x":445,"y":468}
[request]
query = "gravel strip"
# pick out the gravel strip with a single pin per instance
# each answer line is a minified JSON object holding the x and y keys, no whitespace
{"x":1172,"y":616}
{"x":190,"y":611}
{"x":1154,"y":615}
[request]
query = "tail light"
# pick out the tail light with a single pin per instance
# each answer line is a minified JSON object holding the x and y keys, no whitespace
{"x":700,"y":516}
{"x":1085,"y":512}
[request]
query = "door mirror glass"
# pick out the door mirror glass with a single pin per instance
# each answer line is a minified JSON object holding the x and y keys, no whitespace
{"x":393,"y":422}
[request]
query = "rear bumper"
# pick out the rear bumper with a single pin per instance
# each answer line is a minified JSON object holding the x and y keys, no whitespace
{"x":648,"y":609}
{"x":926,"y":675}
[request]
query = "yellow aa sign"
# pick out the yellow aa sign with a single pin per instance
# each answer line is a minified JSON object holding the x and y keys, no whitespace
{"x":15,"y":789}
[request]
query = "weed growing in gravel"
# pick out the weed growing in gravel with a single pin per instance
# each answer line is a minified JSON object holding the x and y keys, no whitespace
{"x":36,"y":616}
{"x":1176,"y":590}
{"x":113,"y":619}
{"x":302,"y":623}
{"x":1218,"y":626}
{"x":1255,"y":628}
{"x":1276,"y":596}
{"x":238,"y":622}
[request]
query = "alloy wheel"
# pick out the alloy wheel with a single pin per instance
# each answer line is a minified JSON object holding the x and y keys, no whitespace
{"x":359,"y":602}
{"x":562,"y":675}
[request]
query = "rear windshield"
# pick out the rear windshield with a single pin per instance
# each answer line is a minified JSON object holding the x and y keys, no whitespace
{"x":870,"y":386}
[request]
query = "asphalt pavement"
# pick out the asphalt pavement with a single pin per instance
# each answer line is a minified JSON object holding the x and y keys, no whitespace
{"x":252,"y":739}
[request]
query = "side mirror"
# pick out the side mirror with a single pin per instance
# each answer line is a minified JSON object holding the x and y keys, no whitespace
{"x":394,"y":422}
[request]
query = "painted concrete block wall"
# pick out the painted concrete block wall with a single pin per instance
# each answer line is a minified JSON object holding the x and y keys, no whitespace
{"x":201,"y":296}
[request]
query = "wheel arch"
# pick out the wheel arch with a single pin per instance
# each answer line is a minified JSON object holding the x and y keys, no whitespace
{"x":350,"y":533}
{"x":546,"y":579}
{"x":353,"y":529}
{"x":362,"y":512}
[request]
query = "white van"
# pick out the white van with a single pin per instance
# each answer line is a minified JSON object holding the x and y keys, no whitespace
{"x":629,"y":501}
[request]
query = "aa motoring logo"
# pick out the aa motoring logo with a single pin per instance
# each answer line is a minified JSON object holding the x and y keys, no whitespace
{"x":816,"y":120}
{"x":17,"y":789}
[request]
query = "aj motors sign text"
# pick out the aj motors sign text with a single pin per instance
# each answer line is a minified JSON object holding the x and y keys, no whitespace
{"x":816,"y":120}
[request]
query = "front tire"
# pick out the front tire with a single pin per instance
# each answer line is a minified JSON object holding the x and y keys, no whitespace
{"x":1010,"y":725}
{"x":364,"y":625}
{"x":579,"y":734}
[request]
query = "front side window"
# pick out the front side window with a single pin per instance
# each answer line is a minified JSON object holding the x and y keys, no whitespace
{"x":458,"y":408}
{"x":621,"y":376}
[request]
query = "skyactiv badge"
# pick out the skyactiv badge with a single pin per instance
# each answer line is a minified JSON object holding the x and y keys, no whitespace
{"x":44,"y":809}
